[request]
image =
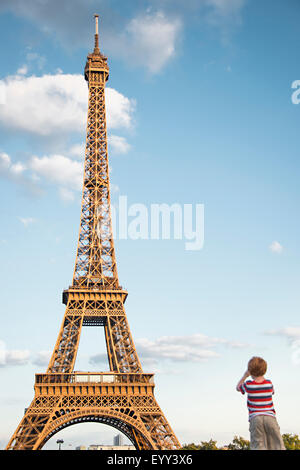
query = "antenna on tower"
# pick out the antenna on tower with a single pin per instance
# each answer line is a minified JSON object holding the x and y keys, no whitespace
{"x":96,"y":49}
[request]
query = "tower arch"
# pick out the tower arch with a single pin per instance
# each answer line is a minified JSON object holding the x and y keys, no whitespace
{"x":126,"y":424}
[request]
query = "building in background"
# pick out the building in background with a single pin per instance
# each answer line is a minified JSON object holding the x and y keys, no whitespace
{"x":118,"y":440}
{"x":101,"y":447}
{"x":118,"y":444}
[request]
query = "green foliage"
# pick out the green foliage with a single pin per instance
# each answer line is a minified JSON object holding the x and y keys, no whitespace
{"x":191,"y":446}
{"x":291,"y":441}
{"x":210,"y":445}
{"x":239,"y":443}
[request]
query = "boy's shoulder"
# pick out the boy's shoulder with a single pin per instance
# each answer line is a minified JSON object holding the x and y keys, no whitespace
{"x":263,"y":382}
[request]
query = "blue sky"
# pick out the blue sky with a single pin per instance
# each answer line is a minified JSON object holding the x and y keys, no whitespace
{"x":199,"y":112}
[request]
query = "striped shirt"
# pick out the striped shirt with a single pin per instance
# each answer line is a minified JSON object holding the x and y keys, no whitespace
{"x":259,"y":397}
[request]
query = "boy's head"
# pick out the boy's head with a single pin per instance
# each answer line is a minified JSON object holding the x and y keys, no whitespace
{"x":257,"y":366}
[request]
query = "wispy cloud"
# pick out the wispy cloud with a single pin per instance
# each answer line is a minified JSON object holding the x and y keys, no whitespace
{"x":276,"y":247}
{"x":58,"y":169}
{"x":13,"y":357}
{"x":292,"y":335}
{"x":57,"y":104}
{"x":22,"y":357}
{"x":17,"y":173}
{"x":42,"y":358}
{"x":66,"y":194}
{"x":118,"y":144}
{"x":26,"y":221}
{"x":145,"y":39}
{"x":98,"y":359}
{"x":193,"y":348}
{"x":144,"y":34}
{"x":22,"y":70}
{"x":151,"y":39}
{"x":12,"y":169}
{"x":178,"y":349}
{"x":225,"y":15}
{"x":225,"y":10}
{"x":153,"y":353}
{"x":77,"y":151}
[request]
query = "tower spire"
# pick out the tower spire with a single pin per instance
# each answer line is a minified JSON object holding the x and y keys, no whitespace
{"x":96,"y":48}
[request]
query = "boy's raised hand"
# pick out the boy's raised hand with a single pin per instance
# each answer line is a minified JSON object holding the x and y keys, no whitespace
{"x":246,"y":374}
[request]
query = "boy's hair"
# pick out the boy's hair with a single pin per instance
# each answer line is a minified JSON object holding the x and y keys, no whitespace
{"x":257,"y":366}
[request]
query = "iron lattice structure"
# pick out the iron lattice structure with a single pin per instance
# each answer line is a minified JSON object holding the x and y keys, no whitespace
{"x":124,"y":397}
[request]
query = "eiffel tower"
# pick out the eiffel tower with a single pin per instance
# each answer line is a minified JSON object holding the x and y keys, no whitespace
{"x":123,"y":397}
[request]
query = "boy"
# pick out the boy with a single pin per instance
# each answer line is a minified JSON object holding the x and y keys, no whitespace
{"x":264,"y":429}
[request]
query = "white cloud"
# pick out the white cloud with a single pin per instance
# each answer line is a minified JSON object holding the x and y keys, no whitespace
{"x":22,"y":70}
{"x":44,"y":105}
{"x":276,"y":247}
{"x":291,"y":333}
{"x":114,"y":188}
{"x":98,"y":359}
{"x":5,"y":161}
{"x":118,"y":144}
{"x":61,"y":171}
{"x":147,"y":39}
{"x":225,"y":10}
{"x":66,"y":194}
{"x":26,"y":221}
{"x":17,"y":172}
{"x":77,"y":151}
{"x":226,"y":7}
{"x":19,"y":357}
{"x":35,"y":59}
{"x":225,"y":15}
{"x":57,"y":104}
{"x":58,"y":169}
{"x":173,"y":350}
{"x":52,"y":106}
{"x":193,"y":348}
{"x":292,"y":336}
{"x":176,"y":349}
{"x":12,"y":357}
{"x":120,"y":109}
{"x":151,"y":40}
{"x":18,"y":168}
{"x":42,"y":358}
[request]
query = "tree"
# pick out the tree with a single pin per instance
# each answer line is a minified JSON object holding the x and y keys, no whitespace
{"x":291,"y":441}
{"x":209,"y":445}
{"x":191,"y":446}
{"x":239,"y":443}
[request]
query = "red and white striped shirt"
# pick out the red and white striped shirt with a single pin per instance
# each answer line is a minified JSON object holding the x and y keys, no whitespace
{"x":259,"y":397}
